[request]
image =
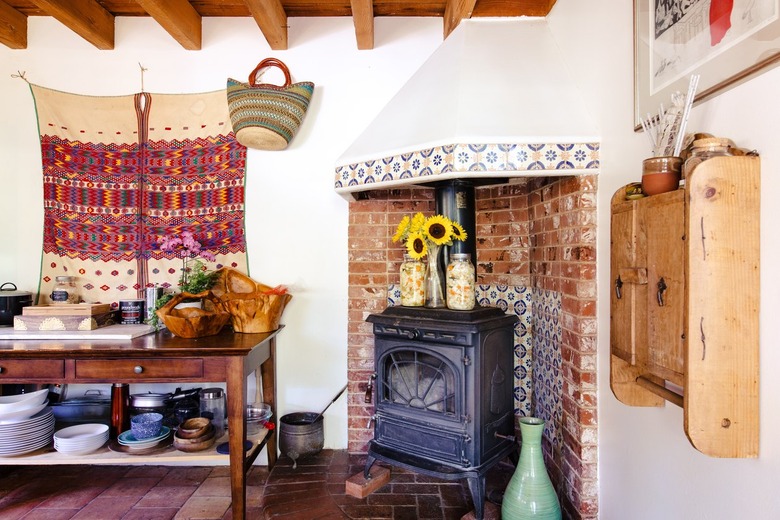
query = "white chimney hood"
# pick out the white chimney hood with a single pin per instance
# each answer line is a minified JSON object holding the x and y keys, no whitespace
{"x":494,"y":101}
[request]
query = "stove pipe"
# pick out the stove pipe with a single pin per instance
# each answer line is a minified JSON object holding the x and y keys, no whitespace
{"x":455,"y":199}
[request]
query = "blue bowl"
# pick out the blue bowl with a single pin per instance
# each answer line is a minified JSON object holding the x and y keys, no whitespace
{"x":146,"y":425}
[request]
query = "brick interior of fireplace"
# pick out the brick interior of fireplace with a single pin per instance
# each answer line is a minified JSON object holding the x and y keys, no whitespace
{"x":539,"y":234}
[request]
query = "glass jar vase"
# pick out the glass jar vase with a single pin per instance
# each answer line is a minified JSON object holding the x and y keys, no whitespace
{"x":65,"y":290}
{"x":412,"y":282}
{"x":434,"y":280}
{"x":461,"y":282}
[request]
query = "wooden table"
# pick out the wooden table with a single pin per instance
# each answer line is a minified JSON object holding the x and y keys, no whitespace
{"x":158,"y":358}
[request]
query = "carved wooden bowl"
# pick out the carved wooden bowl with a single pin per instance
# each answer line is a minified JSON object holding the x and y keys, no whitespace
{"x":192,"y":322}
{"x":253,"y":306}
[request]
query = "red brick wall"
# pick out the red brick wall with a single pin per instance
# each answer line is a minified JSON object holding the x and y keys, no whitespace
{"x":536,"y":234}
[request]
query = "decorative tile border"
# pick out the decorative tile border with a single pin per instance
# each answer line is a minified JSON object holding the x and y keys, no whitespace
{"x":469,"y":160}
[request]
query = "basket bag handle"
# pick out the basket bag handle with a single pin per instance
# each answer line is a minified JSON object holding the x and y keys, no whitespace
{"x":270,"y":62}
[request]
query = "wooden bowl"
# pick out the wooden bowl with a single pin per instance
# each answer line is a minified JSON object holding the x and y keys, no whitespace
{"x":188,"y":447}
{"x":253,"y":306}
{"x":208,"y":433}
{"x":191,"y":322}
{"x":192,"y":428}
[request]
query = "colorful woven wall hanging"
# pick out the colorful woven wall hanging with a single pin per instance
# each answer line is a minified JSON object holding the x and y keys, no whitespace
{"x":119,"y":172}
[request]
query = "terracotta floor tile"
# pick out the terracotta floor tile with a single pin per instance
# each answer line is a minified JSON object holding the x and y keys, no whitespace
{"x":127,"y":487}
{"x":51,"y":514}
{"x":214,"y":487}
{"x":203,"y":508}
{"x":151,"y":513}
{"x":185,"y":476}
{"x":167,"y":496}
{"x":107,"y":508}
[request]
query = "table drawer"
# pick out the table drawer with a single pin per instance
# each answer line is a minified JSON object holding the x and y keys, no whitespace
{"x":139,"y":369}
{"x":37,"y":369}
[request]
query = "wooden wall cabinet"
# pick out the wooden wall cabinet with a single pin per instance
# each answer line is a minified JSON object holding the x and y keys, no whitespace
{"x":685,"y":303}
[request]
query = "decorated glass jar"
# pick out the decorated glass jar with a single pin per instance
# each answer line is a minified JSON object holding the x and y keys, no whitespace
{"x":65,"y":290}
{"x":412,"y":282}
{"x":461,"y":282}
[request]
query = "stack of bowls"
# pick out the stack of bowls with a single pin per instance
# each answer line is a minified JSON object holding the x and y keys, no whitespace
{"x":22,"y":406}
{"x":80,"y":439}
{"x":196,"y":434}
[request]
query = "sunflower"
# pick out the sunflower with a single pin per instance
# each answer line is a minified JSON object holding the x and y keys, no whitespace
{"x":439,"y":229}
{"x":416,"y":245}
{"x":402,"y":229}
{"x":418,"y":221}
{"x":458,"y":233}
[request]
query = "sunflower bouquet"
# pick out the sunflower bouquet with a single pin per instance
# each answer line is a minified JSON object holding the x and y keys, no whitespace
{"x":422,"y":234}
{"x":424,"y":237}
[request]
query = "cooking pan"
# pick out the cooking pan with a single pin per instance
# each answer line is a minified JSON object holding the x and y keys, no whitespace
{"x":11,"y":302}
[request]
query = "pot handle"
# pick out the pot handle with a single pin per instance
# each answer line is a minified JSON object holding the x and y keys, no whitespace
{"x":8,"y":283}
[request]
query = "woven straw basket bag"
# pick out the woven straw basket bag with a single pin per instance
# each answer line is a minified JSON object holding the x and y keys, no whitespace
{"x":266,"y":116}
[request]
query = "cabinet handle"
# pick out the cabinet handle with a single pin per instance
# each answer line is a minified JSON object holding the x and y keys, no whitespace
{"x":661,"y":288}
{"x":1,"y":370}
{"x":618,"y":286}
{"x":138,"y":369}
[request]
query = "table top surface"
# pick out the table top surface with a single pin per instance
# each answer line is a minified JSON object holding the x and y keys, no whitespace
{"x":159,"y":344}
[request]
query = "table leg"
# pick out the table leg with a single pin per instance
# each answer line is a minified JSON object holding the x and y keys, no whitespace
{"x":236,"y":402}
{"x":268,"y":373}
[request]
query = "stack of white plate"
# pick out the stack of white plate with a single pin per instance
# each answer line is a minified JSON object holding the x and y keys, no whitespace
{"x":22,"y":406}
{"x":20,"y":436}
{"x":80,"y":439}
{"x":128,"y":439}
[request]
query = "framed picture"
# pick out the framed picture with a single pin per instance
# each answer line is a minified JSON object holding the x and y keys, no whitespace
{"x":724,"y":41}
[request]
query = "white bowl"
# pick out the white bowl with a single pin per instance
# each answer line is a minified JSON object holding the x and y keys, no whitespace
{"x":76,"y":435}
{"x":11,"y":403}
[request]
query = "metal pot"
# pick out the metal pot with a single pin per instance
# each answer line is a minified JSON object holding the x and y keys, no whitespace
{"x":11,"y":302}
{"x":301,"y":435}
{"x":92,"y":407}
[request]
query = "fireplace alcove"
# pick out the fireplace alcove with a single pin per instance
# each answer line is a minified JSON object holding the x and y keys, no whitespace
{"x":535,"y":242}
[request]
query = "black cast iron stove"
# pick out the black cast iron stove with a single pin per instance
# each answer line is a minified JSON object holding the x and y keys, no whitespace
{"x":444,"y":392}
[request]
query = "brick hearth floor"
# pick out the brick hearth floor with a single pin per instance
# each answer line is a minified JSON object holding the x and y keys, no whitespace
{"x":315,"y":490}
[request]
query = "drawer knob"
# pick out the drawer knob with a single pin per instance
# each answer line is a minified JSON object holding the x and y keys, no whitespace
{"x":138,"y":369}
{"x":1,"y":370}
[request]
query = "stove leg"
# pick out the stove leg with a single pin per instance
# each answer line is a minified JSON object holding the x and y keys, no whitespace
{"x":477,"y":488}
{"x":369,"y":462}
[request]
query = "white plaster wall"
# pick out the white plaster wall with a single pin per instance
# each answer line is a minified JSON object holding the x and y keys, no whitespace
{"x":647,"y":468}
{"x":296,"y":224}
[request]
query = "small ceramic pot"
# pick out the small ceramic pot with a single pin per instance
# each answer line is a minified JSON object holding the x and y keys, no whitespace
{"x":661,"y":174}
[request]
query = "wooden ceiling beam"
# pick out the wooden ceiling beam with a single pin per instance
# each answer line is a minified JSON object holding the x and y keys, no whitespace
{"x":13,"y":27}
{"x":272,"y":20}
{"x":363,"y":18}
{"x":87,"y":18}
{"x":179,"y":18}
{"x":454,"y":12}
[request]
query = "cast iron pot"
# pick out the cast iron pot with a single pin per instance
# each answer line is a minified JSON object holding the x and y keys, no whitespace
{"x":301,"y":435}
{"x":11,"y":302}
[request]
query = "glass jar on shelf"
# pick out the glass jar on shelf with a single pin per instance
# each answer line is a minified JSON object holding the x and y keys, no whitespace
{"x":212,"y":406}
{"x":703,"y":149}
{"x":65,"y":290}
{"x":412,"y":282}
{"x":461,"y":282}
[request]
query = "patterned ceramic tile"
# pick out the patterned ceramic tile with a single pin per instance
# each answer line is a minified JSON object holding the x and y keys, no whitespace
{"x":508,"y":159}
{"x":547,"y":376}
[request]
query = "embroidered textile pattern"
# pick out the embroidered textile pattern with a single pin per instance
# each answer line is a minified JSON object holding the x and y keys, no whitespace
{"x":118,"y":172}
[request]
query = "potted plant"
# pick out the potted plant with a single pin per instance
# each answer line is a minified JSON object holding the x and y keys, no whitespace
{"x":195,"y":276}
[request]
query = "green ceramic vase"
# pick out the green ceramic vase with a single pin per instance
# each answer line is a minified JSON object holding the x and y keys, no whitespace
{"x":530,"y":494}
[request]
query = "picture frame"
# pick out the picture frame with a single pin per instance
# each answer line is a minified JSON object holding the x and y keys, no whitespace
{"x":725,"y":42}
